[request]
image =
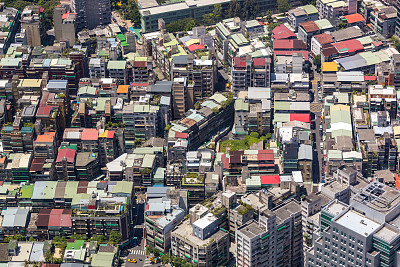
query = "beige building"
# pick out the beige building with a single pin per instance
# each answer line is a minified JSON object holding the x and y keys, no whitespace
{"x":211,"y":251}
{"x":32,"y":21}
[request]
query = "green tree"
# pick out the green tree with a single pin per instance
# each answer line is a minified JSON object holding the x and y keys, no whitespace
{"x":283,"y":6}
{"x":217,"y":13}
{"x":115,"y":237}
{"x":269,"y":17}
{"x":181,"y":25}
{"x":165,"y":258}
{"x":396,"y":42}
{"x":342,"y":25}
{"x":233,"y":9}
{"x":213,"y":17}
{"x":77,"y":237}
{"x":317,"y":62}
{"x":99,"y":238}
{"x":249,"y":10}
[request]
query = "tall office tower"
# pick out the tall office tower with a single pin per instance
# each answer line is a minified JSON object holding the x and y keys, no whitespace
{"x":364,"y":233}
{"x":92,"y":13}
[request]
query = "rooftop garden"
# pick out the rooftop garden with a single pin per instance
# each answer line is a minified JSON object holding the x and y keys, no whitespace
{"x":192,"y":178}
{"x":244,"y":208}
{"x":236,"y":145}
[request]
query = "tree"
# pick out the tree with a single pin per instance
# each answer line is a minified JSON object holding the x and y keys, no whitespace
{"x":217,"y":13}
{"x":181,"y":25}
{"x":396,"y":42}
{"x":99,"y":238}
{"x":115,"y":237}
{"x":77,"y":237}
{"x":283,"y":6}
{"x":165,"y":258}
{"x":213,"y":17}
{"x":269,"y":17}
{"x":342,"y":25}
{"x":190,"y":25}
{"x":317,"y":62}
{"x":233,"y":9}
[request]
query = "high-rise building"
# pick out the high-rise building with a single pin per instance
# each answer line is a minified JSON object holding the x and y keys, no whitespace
{"x":397,"y":6}
{"x":364,"y":233}
{"x":64,"y":24}
{"x":32,"y":21}
{"x":92,"y":13}
{"x":275,"y":240}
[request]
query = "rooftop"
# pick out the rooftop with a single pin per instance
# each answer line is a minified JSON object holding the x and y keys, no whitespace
{"x":185,"y":230}
{"x":251,"y":230}
{"x":358,"y":223}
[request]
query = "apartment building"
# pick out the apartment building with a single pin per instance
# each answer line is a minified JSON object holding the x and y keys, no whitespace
{"x":202,"y":242}
{"x":108,"y":147}
{"x":162,"y":218}
{"x":183,"y":97}
{"x":141,"y":120}
{"x":45,"y":146}
{"x":117,"y":70}
{"x":32,"y":21}
{"x":383,"y":99}
{"x":86,"y":166}
{"x":65,"y":164}
{"x":335,"y":8}
{"x":253,"y":114}
{"x":301,"y":14}
{"x":275,"y":240}
{"x":241,"y":74}
{"x":383,"y":20}
{"x":97,"y":68}
{"x":214,"y":115}
{"x":64,"y":24}
{"x":201,"y":73}
{"x":397,"y":27}
{"x":142,"y":69}
{"x":11,"y":24}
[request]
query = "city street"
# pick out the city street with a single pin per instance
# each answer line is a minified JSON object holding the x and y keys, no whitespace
{"x":317,"y":105}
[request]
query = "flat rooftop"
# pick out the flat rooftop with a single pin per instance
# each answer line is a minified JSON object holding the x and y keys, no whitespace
{"x":287,"y":210}
{"x":252,"y":230}
{"x":335,"y":207}
{"x":358,"y":223}
{"x":185,"y":230}
{"x":379,"y":197}
{"x":387,"y":233}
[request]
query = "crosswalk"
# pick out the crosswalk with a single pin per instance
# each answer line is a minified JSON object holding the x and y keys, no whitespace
{"x":147,"y":262}
{"x":138,"y":252}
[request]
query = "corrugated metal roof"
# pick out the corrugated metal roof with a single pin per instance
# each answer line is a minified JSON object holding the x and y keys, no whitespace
{"x":219,"y":98}
{"x":241,"y":105}
{"x":116,"y":65}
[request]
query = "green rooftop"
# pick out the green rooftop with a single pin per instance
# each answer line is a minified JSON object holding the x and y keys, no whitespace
{"x":77,"y":244}
{"x":240,"y":105}
{"x":310,"y":9}
{"x":102,"y":259}
{"x":27,"y":191}
{"x":121,"y":37}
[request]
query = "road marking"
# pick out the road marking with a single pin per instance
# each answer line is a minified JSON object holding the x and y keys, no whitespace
{"x":138,"y":252}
